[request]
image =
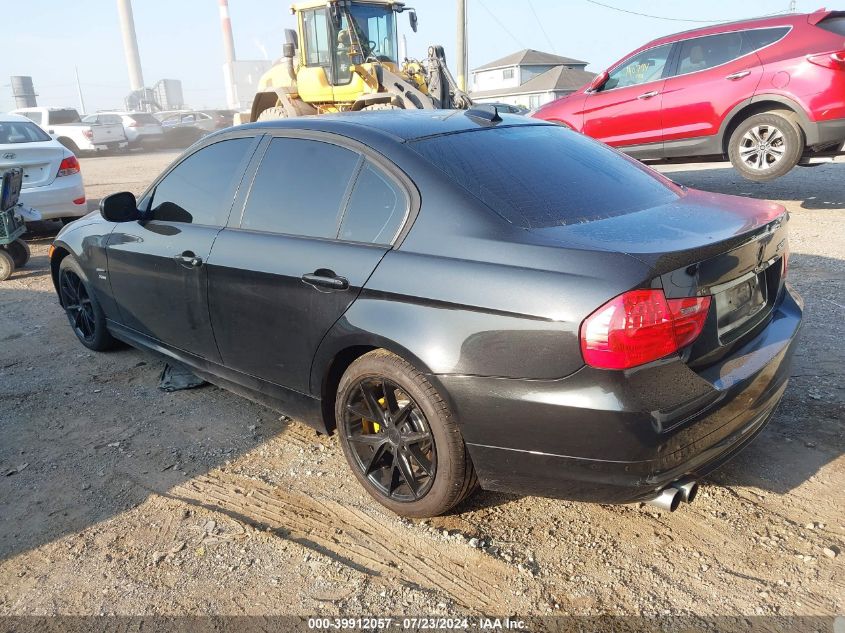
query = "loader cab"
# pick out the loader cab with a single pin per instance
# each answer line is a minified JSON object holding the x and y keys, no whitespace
{"x":336,"y":36}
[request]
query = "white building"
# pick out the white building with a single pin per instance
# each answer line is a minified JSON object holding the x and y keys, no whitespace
{"x":528,"y":78}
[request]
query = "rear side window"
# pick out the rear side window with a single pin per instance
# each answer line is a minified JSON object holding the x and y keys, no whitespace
{"x":755,"y":39}
{"x":299,"y":188}
{"x":21,"y":132}
{"x":701,"y":53}
{"x":539,"y":176}
{"x":376,"y":209}
{"x":200,"y":190}
{"x":834,"y":24}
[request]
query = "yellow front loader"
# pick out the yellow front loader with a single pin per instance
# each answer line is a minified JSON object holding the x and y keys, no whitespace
{"x":343,"y":56}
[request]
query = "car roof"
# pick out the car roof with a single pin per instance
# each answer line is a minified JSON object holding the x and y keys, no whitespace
{"x":790,"y":19}
{"x":399,"y":125}
{"x":14,"y":118}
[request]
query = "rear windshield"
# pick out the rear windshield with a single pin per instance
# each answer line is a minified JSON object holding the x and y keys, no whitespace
{"x":59,"y":117}
{"x":21,"y":132}
{"x":834,"y":24}
{"x":539,"y":176}
{"x":144,"y":119}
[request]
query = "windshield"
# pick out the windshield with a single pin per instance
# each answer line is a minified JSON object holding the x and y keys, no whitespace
{"x":540,"y":175}
{"x":375,"y":30}
{"x":13,"y":132}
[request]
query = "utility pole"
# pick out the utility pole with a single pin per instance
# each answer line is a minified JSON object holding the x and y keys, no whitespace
{"x":793,"y":6}
{"x":462,"y":44}
{"x":228,"y":56}
{"x":130,"y":44}
{"x":79,"y":91}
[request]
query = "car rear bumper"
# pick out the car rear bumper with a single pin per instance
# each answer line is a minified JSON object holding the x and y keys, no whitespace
{"x":56,"y":199}
{"x":604,"y":437}
{"x":828,"y":132}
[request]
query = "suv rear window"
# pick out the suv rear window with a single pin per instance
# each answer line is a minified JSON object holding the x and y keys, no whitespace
{"x":755,"y":39}
{"x":835,"y":24}
{"x":543,"y":175}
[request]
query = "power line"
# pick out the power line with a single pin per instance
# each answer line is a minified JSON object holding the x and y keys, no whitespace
{"x":661,"y":17}
{"x":540,"y":24}
{"x":499,"y":22}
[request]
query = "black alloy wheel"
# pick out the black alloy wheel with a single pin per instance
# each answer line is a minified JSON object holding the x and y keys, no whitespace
{"x":392,"y":441}
{"x":78,"y":306}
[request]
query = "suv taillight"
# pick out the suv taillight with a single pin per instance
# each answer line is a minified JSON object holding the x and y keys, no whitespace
{"x":69,"y":166}
{"x":835,"y":60}
{"x":89,"y":134}
{"x":640,"y":326}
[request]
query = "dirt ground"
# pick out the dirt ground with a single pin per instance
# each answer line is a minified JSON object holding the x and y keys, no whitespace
{"x":118,"y":498}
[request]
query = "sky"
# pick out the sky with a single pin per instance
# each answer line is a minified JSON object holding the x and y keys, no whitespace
{"x":181,"y":39}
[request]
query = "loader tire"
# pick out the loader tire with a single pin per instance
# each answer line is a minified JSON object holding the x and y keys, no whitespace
{"x":273,"y":114}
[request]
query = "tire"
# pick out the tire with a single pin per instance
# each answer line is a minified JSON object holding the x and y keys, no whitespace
{"x":419,"y":438}
{"x":7,"y":265}
{"x":273,"y":114}
{"x":69,"y":144}
{"x":19,"y":250}
{"x":766,"y":146}
{"x":382,"y":106}
{"x":83,"y":311}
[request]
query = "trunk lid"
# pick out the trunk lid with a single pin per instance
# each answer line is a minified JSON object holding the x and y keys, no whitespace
{"x":40,"y":161}
{"x":732,"y":249}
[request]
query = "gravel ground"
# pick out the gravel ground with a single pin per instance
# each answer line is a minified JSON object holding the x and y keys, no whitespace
{"x":117,"y":498}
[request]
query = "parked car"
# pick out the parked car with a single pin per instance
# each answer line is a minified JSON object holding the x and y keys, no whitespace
{"x":185,"y":127}
{"x":428,"y":285}
{"x":52,"y":182}
{"x":765,"y":93}
{"x":222,"y":118}
{"x":142,"y":129}
{"x":64,"y":125}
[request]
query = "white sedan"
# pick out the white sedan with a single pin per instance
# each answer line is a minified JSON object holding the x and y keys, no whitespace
{"x":52,"y":182}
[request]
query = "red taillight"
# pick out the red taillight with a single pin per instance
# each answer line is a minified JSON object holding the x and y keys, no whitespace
{"x":89,"y":134}
{"x":641,"y":326}
{"x":835,"y":60}
{"x":69,"y":166}
{"x":132,"y":123}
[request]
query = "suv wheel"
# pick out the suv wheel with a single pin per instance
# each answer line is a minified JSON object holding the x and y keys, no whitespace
{"x":400,"y":438}
{"x":766,"y":146}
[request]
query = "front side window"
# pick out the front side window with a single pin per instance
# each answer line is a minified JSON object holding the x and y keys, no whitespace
{"x":300,"y":188}
{"x":316,"y":26}
{"x":201,"y":188}
{"x":376,"y":209}
{"x":21,"y":132}
{"x":701,"y":53}
{"x":640,"y":69}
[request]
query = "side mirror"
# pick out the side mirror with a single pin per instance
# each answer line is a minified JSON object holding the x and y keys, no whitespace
{"x":599,"y":80}
{"x":120,"y":207}
{"x":412,"y":17}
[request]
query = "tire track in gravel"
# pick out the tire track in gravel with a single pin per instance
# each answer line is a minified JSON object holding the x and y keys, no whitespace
{"x":386,"y":552}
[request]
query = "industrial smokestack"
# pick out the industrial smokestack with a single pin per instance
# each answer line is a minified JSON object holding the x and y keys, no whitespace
{"x":228,"y":56}
{"x":23,"y":91}
{"x":130,"y":44}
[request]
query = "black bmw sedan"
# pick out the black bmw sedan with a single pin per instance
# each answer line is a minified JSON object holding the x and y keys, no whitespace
{"x":467,"y":299}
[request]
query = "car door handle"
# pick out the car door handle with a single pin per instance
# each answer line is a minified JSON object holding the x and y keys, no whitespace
{"x":323,"y":278}
{"x":738,"y":75}
{"x":648,"y":95}
{"x":189,"y":260}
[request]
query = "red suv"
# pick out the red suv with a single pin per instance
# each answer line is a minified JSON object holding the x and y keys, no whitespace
{"x":767,"y":93}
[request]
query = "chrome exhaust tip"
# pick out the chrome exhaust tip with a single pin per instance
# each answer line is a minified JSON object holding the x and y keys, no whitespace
{"x":687,"y":489}
{"x":667,"y":499}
